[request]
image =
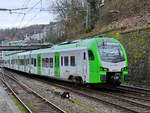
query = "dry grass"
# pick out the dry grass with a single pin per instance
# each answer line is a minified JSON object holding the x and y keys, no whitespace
{"x":126,"y":8}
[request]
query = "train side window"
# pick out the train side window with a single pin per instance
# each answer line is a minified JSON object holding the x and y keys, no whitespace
{"x":19,"y":61}
{"x":47,"y":64}
{"x":84,"y":56}
{"x":22,"y":61}
{"x":61,"y":60}
{"x":55,"y":60}
{"x":91,"y":56}
{"x":34,"y":62}
{"x":51,"y":62}
{"x":66,"y":61}
{"x":28,"y":61}
{"x":43,"y":61}
{"x":72,"y":60}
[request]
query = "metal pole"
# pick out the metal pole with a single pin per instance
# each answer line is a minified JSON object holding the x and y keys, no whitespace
{"x":90,"y":17}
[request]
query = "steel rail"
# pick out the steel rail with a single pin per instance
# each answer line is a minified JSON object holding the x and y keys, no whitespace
{"x":38,"y":95}
{"x":137,"y":89}
{"x":98,"y":99}
{"x":16,"y":96}
{"x":90,"y":97}
{"x":105,"y":94}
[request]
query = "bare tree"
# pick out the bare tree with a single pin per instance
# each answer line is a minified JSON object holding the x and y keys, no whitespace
{"x":71,"y":14}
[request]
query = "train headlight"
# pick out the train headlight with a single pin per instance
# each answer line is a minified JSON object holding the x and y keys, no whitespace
{"x":104,"y":69}
{"x":124,"y":68}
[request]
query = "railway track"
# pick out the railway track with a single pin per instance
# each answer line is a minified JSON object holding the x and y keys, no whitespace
{"x":135,"y":89}
{"x":32,"y":101}
{"x":128,"y":105}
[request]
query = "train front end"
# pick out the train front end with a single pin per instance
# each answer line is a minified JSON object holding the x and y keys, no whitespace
{"x":114,"y":66}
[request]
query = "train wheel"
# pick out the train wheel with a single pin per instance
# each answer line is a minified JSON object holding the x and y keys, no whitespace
{"x":76,"y":80}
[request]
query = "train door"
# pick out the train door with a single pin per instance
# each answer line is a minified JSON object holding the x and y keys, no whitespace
{"x":27,"y":63}
{"x":51,"y":68}
{"x":57,"y":64}
{"x":45,"y":64}
{"x":29,"y":66}
{"x":33,"y":66}
{"x":39,"y":64}
{"x":84,"y":65}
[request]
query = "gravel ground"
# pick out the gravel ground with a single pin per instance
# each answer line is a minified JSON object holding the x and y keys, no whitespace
{"x":46,"y":91}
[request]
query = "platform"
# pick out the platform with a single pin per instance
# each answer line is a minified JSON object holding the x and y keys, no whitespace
{"x":6,"y":104}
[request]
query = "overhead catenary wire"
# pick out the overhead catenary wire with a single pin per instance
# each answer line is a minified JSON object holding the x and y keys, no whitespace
{"x":30,"y":9}
{"x":24,"y":5}
{"x":32,"y":18}
{"x":22,"y":15}
{"x":22,"y":19}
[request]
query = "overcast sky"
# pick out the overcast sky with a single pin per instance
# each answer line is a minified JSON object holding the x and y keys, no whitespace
{"x":34,"y":16}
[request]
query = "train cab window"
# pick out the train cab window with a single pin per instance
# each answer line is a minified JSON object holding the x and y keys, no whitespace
{"x":91,"y":56}
{"x":72,"y":60}
{"x":34,"y":62}
{"x":66,"y":61}
{"x":61,"y":60}
{"x":51,"y":62}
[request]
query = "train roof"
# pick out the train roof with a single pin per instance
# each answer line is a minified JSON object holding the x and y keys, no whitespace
{"x":76,"y":44}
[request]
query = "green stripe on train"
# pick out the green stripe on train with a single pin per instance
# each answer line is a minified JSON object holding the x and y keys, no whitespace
{"x":25,"y":63}
{"x":57,"y":64}
{"x":39,"y":64}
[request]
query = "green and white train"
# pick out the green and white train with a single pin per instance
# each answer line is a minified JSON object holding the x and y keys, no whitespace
{"x":89,"y":61}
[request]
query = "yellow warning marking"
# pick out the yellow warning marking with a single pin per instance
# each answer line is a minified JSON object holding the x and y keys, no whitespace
{"x":78,"y":102}
{"x":84,"y":105}
{"x":72,"y":53}
{"x":56,"y":89}
{"x":142,"y":95}
{"x":117,"y":34}
{"x":53,"y":87}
